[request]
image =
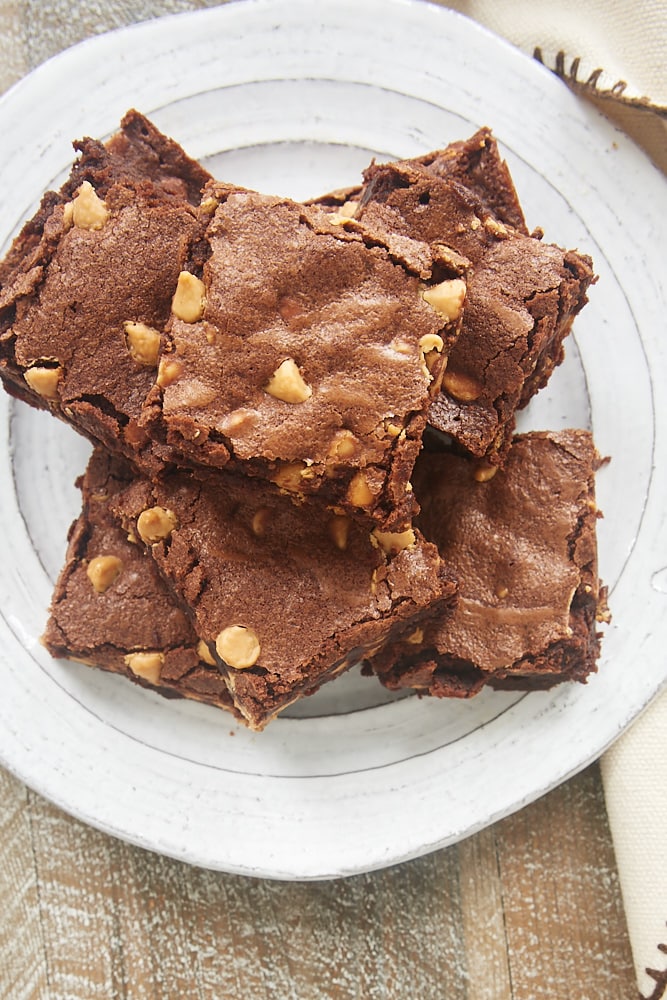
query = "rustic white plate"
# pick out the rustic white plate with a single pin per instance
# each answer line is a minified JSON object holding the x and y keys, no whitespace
{"x":295,"y":98}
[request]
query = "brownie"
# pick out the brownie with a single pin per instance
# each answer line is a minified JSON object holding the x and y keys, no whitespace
{"x":284,"y":597}
{"x":475,"y":163}
{"x":295,"y":350}
{"x":86,"y":288}
{"x":111,"y":609}
{"x":312,"y":357}
{"x":523,"y":545}
{"x":522,"y":295}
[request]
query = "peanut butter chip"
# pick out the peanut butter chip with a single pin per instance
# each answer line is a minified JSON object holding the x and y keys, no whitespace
{"x":146,"y":665}
{"x":287,"y":383}
{"x":43,"y":381}
{"x":359,"y":492}
{"x":189,"y":298}
{"x":484,"y":472}
{"x":205,"y":654}
{"x":430,"y":347}
{"x":260,"y":521}
{"x":393,"y":542}
{"x":88,"y":209}
{"x":288,"y":476}
{"x":462,"y":387}
{"x":447,"y":298}
{"x":143,"y":343}
{"x":343,"y":445}
{"x":339,"y":531}
{"x":155,"y":524}
{"x":416,"y":638}
{"x":238,"y":646}
{"x":168,"y":372}
{"x":102,"y":571}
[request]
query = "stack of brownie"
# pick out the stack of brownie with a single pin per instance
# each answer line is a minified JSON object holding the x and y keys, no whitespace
{"x":302,"y":418}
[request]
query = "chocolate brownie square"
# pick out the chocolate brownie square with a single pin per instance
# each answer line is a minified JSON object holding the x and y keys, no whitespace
{"x":284,"y":597}
{"x":522,"y":297}
{"x":307,"y":355}
{"x":295,"y":351}
{"x":86,"y":288}
{"x":523,"y":545}
{"x":111,"y":609}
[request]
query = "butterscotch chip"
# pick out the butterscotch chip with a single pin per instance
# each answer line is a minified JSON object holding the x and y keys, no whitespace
{"x":155,"y":524}
{"x":102,"y":571}
{"x":496,"y":228}
{"x":359,"y":492}
{"x":416,"y":638}
{"x":484,"y":472}
{"x":430,"y":347}
{"x":44,"y":381}
{"x":260,"y":521}
{"x":288,"y":384}
{"x":168,"y":372}
{"x":143,"y":343}
{"x":289,"y":476}
{"x":89,"y":211}
{"x":189,"y":298}
{"x":461,"y":387}
{"x":344,"y":445}
{"x":238,"y":646}
{"x":205,"y":654}
{"x":393,"y":542}
{"x":447,"y":298}
{"x":339,"y":530}
{"x":148,"y":666}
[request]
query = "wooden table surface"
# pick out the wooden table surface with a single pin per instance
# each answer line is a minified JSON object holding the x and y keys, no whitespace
{"x":529,"y":908}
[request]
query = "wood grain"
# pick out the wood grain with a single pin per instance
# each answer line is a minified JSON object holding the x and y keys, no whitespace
{"x":527,"y":909}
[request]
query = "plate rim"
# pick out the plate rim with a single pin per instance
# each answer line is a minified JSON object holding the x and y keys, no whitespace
{"x":23,"y":88}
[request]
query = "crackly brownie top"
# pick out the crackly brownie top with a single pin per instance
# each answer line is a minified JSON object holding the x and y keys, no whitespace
{"x":312,"y":354}
{"x":87,"y":285}
{"x":111,"y":608}
{"x":522,"y":296}
{"x":522,"y":545}
{"x":71,"y":309}
{"x":476,"y":163}
{"x":123,"y":603}
{"x":281,"y":594}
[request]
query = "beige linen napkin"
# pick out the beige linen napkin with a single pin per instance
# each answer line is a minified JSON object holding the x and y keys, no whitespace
{"x":613,"y":53}
{"x":634,"y":772}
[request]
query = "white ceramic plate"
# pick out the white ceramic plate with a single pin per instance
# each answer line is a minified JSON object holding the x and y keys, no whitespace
{"x":294,"y":97}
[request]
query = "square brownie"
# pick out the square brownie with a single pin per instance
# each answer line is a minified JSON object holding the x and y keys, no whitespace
{"x":250,"y":330}
{"x":522,"y":294}
{"x":523,"y":546}
{"x":284,"y":597}
{"x":111,"y":609}
{"x":86,"y":288}
{"x":310,"y":356}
